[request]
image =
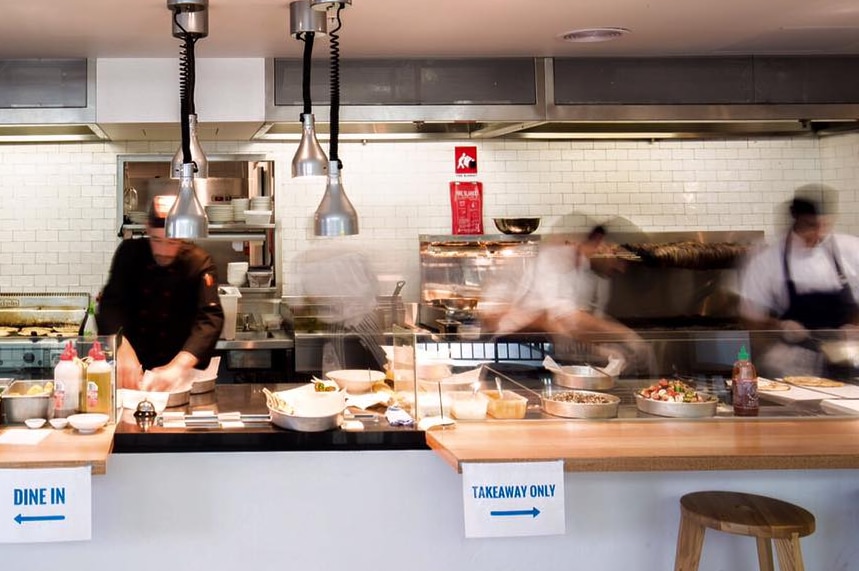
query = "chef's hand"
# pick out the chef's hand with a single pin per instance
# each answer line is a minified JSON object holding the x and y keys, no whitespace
{"x":175,"y":375}
{"x":793,"y":331}
{"x":129,"y":372}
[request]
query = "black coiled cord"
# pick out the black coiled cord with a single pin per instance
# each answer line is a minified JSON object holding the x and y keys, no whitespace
{"x":334,"y":73}
{"x":187,"y":84}
{"x":307,"y":38}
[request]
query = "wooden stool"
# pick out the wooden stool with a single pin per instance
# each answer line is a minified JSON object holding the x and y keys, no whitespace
{"x":742,"y":514}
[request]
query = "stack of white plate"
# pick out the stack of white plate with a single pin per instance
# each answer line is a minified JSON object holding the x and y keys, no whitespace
{"x":239,"y":206}
{"x":219,"y":213}
{"x":261,"y":203}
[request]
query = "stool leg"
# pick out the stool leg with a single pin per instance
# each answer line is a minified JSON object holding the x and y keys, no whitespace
{"x":690,"y":540}
{"x":789,"y":554}
{"x":765,"y":554}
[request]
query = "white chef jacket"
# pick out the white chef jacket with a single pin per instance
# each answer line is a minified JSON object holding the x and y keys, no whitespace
{"x":763,"y":282}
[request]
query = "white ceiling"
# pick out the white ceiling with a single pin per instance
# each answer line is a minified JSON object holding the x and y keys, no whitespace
{"x":438,"y":28}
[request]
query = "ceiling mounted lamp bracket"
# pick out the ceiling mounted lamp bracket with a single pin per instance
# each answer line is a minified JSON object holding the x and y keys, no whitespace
{"x":323,"y":5}
{"x":190,"y":17}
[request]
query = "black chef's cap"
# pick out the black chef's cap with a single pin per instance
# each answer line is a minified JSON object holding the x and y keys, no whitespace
{"x":803,"y":207}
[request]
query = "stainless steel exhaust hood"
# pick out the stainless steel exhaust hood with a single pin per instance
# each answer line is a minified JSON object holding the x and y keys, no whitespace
{"x":582,"y":99}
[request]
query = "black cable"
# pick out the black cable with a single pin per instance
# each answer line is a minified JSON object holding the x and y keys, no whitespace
{"x":334,"y":72}
{"x":187,"y":85}
{"x":307,"y":38}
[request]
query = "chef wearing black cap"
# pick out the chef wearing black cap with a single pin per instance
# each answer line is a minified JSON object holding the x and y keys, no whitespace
{"x":162,"y":295}
{"x":808,"y":280}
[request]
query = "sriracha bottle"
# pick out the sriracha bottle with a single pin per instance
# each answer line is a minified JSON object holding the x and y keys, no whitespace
{"x":744,"y":385}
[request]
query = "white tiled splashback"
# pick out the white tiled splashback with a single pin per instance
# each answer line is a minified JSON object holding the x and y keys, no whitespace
{"x":59,"y":202}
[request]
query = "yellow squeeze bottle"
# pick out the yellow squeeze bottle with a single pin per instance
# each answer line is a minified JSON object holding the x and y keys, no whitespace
{"x":99,"y":374}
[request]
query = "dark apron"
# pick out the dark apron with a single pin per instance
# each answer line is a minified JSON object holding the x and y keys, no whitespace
{"x":819,"y":310}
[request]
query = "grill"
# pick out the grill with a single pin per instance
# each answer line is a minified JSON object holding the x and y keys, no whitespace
{"x":33,"y":326}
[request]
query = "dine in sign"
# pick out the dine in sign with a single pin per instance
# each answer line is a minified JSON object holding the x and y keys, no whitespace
{"x":45,"y":505}
{"x":513,"y":499}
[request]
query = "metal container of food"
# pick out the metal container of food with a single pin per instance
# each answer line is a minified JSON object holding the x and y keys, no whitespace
{"x":304,"y":423}
{"x":581,"y":404}
{"x":583,"y":377}
{"x":27,"y":399}
{"x":677,"y":409}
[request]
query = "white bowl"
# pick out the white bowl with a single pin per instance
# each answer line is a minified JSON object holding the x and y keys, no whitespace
{"x":356,"y":381}
{"x":35,"y":422}
{"x":59,"y":423}
{"x":89,"y":422}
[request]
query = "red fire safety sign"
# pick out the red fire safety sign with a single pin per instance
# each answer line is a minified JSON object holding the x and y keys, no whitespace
{"x":466,"y":160}
{"x":466,"y":204}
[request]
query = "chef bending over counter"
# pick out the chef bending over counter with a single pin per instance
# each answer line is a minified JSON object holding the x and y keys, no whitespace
{"x":161,"y":300}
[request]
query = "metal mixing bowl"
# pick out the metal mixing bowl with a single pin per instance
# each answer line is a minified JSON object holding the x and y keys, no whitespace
{"x":516,"y":225}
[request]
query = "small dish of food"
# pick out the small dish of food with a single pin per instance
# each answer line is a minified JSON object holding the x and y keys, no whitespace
{"x":88,"y":423}
{"x":35,"y":422}
{"x":59,"y":423}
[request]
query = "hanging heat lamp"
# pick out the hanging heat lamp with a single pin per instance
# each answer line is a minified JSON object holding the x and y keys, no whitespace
{"x":304,"y":24}
{"x":335,"y":215}
{"x":187,"y":219}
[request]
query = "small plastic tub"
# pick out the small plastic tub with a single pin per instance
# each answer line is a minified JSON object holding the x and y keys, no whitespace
{"x":506,"y":405}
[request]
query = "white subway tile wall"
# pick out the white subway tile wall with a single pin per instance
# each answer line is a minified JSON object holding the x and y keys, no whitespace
{"x":60,"y":203}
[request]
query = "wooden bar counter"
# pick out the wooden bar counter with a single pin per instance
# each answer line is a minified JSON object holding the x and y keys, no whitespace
{"x":61,"y":449}
{"x":656,"y":445}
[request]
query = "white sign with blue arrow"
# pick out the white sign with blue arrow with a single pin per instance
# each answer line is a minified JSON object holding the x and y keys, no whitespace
{"x":513,"y":499}
{"x":39,"y":505}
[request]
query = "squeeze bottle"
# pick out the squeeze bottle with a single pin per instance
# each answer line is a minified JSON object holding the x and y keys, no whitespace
{"x":744,"y":389}
{"x":68,"y":376}
{"x":99,"y":376}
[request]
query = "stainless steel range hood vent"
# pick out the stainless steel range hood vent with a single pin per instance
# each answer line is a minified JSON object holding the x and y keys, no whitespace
{"x":583,"y":98}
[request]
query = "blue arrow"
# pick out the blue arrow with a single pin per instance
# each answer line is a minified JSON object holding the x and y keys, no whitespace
{"x":533,"y":512}
{"x":22,"y":518}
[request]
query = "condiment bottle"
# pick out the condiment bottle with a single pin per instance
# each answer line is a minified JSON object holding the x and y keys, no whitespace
{"x":99,"y":376}
{"x":744,"y":385}
{"x":68,"y":377}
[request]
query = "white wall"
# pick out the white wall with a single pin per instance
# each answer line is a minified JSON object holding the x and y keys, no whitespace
{"x":59,"y":202}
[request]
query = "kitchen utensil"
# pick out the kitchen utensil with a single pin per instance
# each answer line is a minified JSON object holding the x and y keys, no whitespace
{"x":498,"y":387}
{"x":35,"y":422}
{"x":398,"y":288}
{"x":556,"y":406}
{"x":516,"y":225}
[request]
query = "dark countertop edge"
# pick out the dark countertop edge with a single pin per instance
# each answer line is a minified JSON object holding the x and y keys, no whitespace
{"x":279,"y":441}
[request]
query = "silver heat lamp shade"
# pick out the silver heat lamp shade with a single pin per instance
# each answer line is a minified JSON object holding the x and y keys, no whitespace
{"x":187,"y":219}
{"x":198,"y":157}
{"x":302,"y":18}
{"x":335,"y":215}
{"x":309,"y":159}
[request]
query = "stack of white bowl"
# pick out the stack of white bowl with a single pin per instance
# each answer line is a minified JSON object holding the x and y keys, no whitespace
{"x":239,"y":206}
{"x":237,"y":273}
{"x":219,"y":213}
{"x":261,"y":203}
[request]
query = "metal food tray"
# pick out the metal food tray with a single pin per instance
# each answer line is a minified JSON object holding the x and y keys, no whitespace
{"x":677,"y":409}
{"x":582,"y":410}
{"x":582,"y":377}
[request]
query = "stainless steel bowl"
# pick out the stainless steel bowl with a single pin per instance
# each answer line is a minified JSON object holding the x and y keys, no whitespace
{"x":582,"y":377}
{"x":677,"y":409}
{"x":304,"y":423}
{"x":568,"y":409}
{"x":516,"y":225}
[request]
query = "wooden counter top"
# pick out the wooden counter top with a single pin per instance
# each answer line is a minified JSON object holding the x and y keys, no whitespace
{"x":629,"y":445}
{"x":61,"y":449}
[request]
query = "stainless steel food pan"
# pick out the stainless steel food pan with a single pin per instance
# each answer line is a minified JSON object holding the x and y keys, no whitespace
{"x":16,"y":405}
{"x":582,"y":410}
{"x":582,"y":377}
{"x":677,"y":409}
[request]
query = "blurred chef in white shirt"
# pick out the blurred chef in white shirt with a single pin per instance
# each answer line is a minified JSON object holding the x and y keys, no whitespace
{"x":563,"y":292}
{"x":807,"y":280}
